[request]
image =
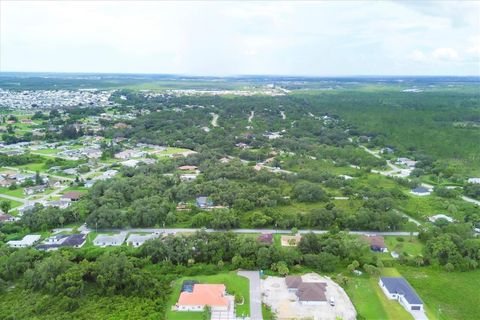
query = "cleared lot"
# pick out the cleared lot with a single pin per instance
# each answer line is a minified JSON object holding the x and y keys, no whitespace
{"x":286,"y":305}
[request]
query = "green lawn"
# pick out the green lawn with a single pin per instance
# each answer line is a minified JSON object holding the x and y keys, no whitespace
{"x":447,"y":295}
{"x":38,"y":166}
{"x":371,"y":303}
{"x":234,"y":283}
{"x":412,"y":246}
{"x":14,"y":193}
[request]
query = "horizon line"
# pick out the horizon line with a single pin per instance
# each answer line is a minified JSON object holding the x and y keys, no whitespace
{"x":244,"y":75}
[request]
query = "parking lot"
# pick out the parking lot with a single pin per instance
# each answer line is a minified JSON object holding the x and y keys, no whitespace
{"x":285,"y":303}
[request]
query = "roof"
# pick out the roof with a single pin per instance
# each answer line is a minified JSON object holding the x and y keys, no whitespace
{"x":204,"y":294}
{"x":72,"y":195}
{"x":266,"y":238}
{"x":375,"y":241}
{"x":141,"y":238}
{"x":293,"y":282}
{"x":399,"y":285}
{"x":105,"y":238}
{"x":312,"y":291}
{"x":74,"y":240}
{"x":420,"y":190}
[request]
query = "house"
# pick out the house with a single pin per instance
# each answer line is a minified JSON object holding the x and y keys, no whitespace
{"x":130,"y":163}
{"x":72,"y":196}
{"x":188,"y":168}
{"x":213,"y":296}
{"x":474,"y":180}
{"x":70,"y":171}
{"x":92,"y":153}
{"x":6,"y":218}
{"x":5,"y":183}
{"x":397,"y":288}
{"x":406,"y":162}
{"x":182,"y":207}
{"x":33,"y":190}
{"x":440,"y":216}
{"x":293,"y":282}
{"x":105,"y":240}
{"x":136,"y":240}
{"x":312,"y":293}
{"x":203,"y":202}
{"x":58,"y":204}
{"x":75,"y":240}
{"x":27,"y":241}
{"x":266,"y":238}
{"x":88,"y":183}
{"x":188,"y":177}
{"x":127,"y":154}
{"x":377,"y":243}
{"x":290,"y":241}
{"x":224,"y":160}
{"x":421,"y":191}
{"x":387,"y":150}
{"x":58,"y":238}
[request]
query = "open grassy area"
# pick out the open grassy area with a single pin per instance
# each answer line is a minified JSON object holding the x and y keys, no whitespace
{"x":13,"y":204}
{"x":37,"y":166}
{"x":447,"y":295}
{"x":18,"y":192}
{"x":410,"y":245}
{"x":234,"y":283}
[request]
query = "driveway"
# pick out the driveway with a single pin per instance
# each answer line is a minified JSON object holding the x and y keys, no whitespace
{"x":255,"y":293}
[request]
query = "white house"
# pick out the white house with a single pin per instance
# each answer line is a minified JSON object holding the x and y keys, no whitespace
{"x":137,"y":240}
{"x":27,"y":241}
{"x":440,"y":216}
{"x":474,"y":180}
{"x":406,"y":162}
{"x":188,"y":176}
{"x":105,"y":240}
{"x":397,"y":288}
{"x":130,"y":163}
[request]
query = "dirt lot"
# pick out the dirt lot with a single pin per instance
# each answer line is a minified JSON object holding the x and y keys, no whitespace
{"x":285,"y":303}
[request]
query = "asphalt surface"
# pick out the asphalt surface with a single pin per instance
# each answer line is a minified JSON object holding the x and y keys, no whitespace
{"x":255,"y":293}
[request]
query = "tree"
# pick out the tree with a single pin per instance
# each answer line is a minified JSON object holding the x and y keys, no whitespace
{"x":281,"y":267}
{"x":5,"y":206}
{"x":308,"y":192}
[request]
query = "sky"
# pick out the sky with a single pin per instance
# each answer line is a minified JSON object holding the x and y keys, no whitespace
{"x":322,"y":38}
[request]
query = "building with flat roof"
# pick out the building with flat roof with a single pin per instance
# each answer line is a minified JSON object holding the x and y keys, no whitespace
{"x":27,"y":241}
{"x":105,"y":240}
{"x":137,"y":240}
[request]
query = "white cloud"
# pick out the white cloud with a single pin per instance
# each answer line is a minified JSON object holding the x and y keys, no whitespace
{"x":417,"y":55}
{"x":221,"y":38}
{"x":445,"y":54}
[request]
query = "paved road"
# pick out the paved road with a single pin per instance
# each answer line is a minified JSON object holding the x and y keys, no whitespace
{"x":468,"y":199}
{"x":214,"y":119}
{"x":255,"y":293}
{"x":252,"y":114}
{"x":12,"y":198}
{"x":304,"y":231}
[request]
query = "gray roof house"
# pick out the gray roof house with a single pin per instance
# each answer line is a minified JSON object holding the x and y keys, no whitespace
{"x":397,"y":288}
{"x":105,"y":240}
{"x":137,"y":240}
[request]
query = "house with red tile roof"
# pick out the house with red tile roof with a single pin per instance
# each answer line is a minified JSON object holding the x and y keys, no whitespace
{"x":204,"y":295}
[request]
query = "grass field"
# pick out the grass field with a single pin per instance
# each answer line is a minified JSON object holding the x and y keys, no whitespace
{"x":411,"y":246}
{"x":14,"y":193}
{"x":38,"y":166}
{"x":234,"y":283}
{"x":447,"y":295}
